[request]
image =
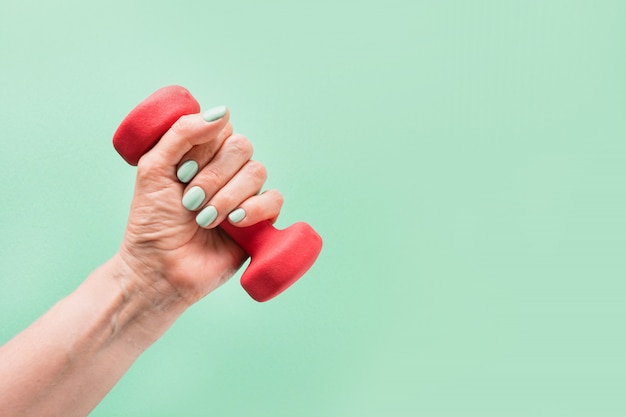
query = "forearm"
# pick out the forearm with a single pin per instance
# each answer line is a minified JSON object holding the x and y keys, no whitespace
{"x":66,"y":362}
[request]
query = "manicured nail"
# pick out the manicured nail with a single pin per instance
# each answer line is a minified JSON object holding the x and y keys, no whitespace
{"x":237,"y":215}
{"x":206,"y":216}
{"x":215,"y":113}
{"x":193,"y":198}
{"x":187,"y":171}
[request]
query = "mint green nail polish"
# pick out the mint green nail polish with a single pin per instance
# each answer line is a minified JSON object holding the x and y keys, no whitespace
{"x":206,"y":216}
{"x":214,"y":114}
{"x":237,"y":215}
{"x":193,"y":198}
{"x":187,"y":171}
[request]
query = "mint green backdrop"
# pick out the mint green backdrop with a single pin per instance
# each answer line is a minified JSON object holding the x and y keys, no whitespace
{"x":465,"y":162}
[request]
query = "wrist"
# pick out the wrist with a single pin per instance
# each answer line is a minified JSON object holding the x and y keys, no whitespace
{"x":144,"y":305}
{"x":84,"y":343}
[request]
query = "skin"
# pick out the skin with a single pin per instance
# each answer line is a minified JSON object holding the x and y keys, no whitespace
{"x":69,"y":359}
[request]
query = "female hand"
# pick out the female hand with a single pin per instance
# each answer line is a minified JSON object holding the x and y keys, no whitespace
{"x":171,"y":243}
{"x":167,"y":261}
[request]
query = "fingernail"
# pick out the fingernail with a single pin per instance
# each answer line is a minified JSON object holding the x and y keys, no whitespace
{"x":215,"y":113}
{"x":206,"y":216}
{"x":193,"y":198}
{"x":237,"y":215}
{"x":187,"y":171}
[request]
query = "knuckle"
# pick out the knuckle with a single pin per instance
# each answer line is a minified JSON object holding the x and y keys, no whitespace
{"x":257,"y":170}
{"x":213,"y":177}
{"x":149,"y":171}
{"x":274,"y":200}
{"x":144,"y":171}
{"x":241,"y":145}
{"x":278,"y":199}
{"x":183,"y":125}
{"x":227,"y":131}
{"x":225,"y":197}
{"x":146,"y":166}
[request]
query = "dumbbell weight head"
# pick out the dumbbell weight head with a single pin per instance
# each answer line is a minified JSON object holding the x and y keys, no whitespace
{"x":150,"y":119}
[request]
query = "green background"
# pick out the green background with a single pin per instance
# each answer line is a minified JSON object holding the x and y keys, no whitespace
{"x":464,"y":161}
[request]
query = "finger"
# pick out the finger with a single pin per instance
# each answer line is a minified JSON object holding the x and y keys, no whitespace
{"x":188,"y":131}
{"x":265,"y":206}
{"x":229,"y":159}
{"x":247,"y":182}
{"x":199,"y":156}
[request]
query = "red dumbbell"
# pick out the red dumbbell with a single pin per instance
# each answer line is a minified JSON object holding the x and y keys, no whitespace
{"x":278,"y":257}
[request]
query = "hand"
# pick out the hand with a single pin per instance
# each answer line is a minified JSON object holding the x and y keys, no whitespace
{"x":167,"y":261}
{"x":176,"y":250}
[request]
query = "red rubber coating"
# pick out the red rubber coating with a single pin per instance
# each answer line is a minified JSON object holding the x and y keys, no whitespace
{"x":278,"y":257}
{"x":146,"y":123}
